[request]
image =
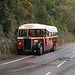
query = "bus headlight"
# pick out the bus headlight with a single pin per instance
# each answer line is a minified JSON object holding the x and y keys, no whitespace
{"x":19,"y":43}
{"x":35,"y":42}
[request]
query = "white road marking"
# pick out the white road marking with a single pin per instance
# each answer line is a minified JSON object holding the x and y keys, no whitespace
{"x":69,"y":55}
{"x":48,"y":73}
{"x":72,"y":56}
{"x":61,"y":64}
{"x":16,"y":60}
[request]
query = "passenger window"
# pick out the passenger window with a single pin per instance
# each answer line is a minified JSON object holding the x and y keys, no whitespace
{"x":47,"y":34}
{"x":55,"y":33}
{"x":52,"y":34}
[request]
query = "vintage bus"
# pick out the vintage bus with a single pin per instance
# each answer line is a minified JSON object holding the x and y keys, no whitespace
{"x":36,"y":38}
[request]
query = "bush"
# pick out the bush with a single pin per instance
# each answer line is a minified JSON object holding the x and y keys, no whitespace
{"x":1,"y":29}
{"x":7,"y":26}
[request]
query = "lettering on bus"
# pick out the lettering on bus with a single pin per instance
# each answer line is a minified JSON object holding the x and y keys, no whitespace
{"x":49,"y":42}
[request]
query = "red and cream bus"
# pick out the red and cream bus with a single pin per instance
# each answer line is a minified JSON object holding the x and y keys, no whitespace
{"x":36,"y":38}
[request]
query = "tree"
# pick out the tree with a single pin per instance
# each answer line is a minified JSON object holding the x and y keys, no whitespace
{"x":5,"y":12}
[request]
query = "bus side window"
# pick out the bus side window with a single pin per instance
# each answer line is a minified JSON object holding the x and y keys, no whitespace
{"x":47,"y":34}
{"x":55,"y":33}
{"x":52,"y":33}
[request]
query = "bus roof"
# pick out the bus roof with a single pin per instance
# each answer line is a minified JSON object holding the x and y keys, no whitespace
{"x":39,"y":26}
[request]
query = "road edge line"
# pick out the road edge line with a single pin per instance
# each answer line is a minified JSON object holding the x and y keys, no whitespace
{"x":15,"y":60}
{"x":48,"y":73}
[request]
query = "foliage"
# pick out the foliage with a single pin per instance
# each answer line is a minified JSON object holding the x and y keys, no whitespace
{"x":59,"y":13}
{"x":6,"y":8}
{"x":7,"y":26}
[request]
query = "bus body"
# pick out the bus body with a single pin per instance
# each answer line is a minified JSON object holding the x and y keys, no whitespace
{"x":36,"y":38}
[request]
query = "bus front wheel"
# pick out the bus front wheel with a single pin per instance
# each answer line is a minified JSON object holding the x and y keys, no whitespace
{"x":40,"y":51}
{"x":20,"y":52}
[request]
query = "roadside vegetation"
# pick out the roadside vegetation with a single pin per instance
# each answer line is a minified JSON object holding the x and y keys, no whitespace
{"x":59,"y":13}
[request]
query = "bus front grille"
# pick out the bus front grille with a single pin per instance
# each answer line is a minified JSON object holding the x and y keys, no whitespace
{"x":27,"y":44}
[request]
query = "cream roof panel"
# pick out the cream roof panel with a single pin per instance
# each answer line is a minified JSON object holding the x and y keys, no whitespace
{"x":39,"y":26}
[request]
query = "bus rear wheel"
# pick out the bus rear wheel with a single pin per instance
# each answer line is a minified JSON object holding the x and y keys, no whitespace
{"x":54,"y":46}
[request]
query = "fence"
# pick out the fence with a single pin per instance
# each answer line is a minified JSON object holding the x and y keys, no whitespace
{"x":6,"y":48}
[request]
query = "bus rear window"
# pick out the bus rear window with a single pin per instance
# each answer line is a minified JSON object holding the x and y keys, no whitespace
{"x":22,"y":33}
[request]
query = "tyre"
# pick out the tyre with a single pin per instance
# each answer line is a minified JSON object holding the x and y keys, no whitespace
{"x":40,"y":51}
{"x":54,"y":46}
{"x":20,"y":52}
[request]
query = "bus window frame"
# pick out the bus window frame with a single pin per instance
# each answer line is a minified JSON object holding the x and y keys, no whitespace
{"x":46,"y":33}
{"x":22,"y":29}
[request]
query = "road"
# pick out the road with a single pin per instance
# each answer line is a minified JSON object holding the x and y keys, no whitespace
{"x":59,"y":62}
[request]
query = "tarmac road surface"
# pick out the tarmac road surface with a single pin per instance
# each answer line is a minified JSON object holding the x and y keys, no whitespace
{"x":59,"y":62}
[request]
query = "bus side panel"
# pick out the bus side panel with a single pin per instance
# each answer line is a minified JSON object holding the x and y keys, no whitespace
{"x":49,"y":43}
{"x":37,"y":40}
{"x":56,"y":40}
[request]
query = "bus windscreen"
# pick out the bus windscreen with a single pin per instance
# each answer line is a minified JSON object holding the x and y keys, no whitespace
{"x":22,"y":33}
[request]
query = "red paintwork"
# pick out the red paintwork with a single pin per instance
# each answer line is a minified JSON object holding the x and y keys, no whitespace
{"x":47,"y":41}
{"x":19,"y":46}
{"x":39,"y":40}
